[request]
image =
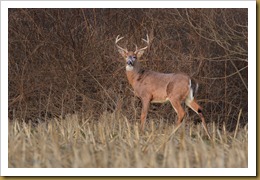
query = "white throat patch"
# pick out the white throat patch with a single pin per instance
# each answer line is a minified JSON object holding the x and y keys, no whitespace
{"x":129,"y":68}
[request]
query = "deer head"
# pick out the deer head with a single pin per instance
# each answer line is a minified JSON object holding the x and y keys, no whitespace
{"x":131,"y":57}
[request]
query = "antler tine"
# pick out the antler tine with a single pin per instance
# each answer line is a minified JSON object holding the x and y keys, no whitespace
{"x":117,"y":40}
{"x":145,"y":40}
{"x":136,"y":48}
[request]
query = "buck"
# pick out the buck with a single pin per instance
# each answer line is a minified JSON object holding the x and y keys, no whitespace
{"x":155,"y":87}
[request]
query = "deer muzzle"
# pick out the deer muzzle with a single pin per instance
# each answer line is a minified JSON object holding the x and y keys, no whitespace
{"x":130,"y":61}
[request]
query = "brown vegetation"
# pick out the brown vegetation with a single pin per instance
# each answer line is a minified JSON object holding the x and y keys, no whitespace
{"x":64,"y":62}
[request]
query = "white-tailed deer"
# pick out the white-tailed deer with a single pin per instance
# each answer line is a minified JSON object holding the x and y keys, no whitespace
{"x":155,"y":87}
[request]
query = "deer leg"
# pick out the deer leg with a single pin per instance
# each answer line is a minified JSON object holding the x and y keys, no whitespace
{"x":179,"y":110}
{"x":145,"y":108}
{"x":196,"y":108}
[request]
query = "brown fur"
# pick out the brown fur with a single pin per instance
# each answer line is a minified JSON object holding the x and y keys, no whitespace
{"x":151,"y":86}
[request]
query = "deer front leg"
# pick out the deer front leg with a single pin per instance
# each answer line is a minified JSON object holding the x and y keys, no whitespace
{"x":145,"y":108}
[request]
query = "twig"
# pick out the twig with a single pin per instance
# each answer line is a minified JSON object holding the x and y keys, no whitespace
{"x":238,"y":119}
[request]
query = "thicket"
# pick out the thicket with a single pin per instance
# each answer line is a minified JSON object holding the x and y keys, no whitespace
{"x":64,"y":61}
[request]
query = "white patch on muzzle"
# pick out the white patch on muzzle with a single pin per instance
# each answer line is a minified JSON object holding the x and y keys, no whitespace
{"x":129,"y":67}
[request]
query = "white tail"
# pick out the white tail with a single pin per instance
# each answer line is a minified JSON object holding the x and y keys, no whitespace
{"x":155,"y":87}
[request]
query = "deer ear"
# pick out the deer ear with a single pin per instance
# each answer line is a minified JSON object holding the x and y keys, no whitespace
{"x":139,"y":53}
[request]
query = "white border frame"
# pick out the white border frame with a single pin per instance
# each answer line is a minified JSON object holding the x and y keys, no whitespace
{"x":250,"y":171}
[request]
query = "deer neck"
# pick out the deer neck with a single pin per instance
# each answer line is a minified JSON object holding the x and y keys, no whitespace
{"x":133,"y":72}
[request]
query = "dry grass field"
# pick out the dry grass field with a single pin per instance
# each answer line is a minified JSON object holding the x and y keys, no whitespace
{"x":113,"y":142}
{"x":70,"y":105}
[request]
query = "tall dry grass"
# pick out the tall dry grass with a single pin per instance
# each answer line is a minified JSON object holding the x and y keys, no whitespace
{"x":113,"y":141}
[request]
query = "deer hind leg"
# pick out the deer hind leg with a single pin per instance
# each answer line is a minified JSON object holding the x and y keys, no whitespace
{"x":145,"y":108}
{"x":196,"y":108}
{"x":178,"y":109}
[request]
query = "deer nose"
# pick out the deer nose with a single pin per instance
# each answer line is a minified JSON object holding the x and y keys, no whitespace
{"x":130,"y":62}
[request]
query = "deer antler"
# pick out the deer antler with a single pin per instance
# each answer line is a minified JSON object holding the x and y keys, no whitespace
{"x":145,"y":40}
{"x":117,"y":40}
